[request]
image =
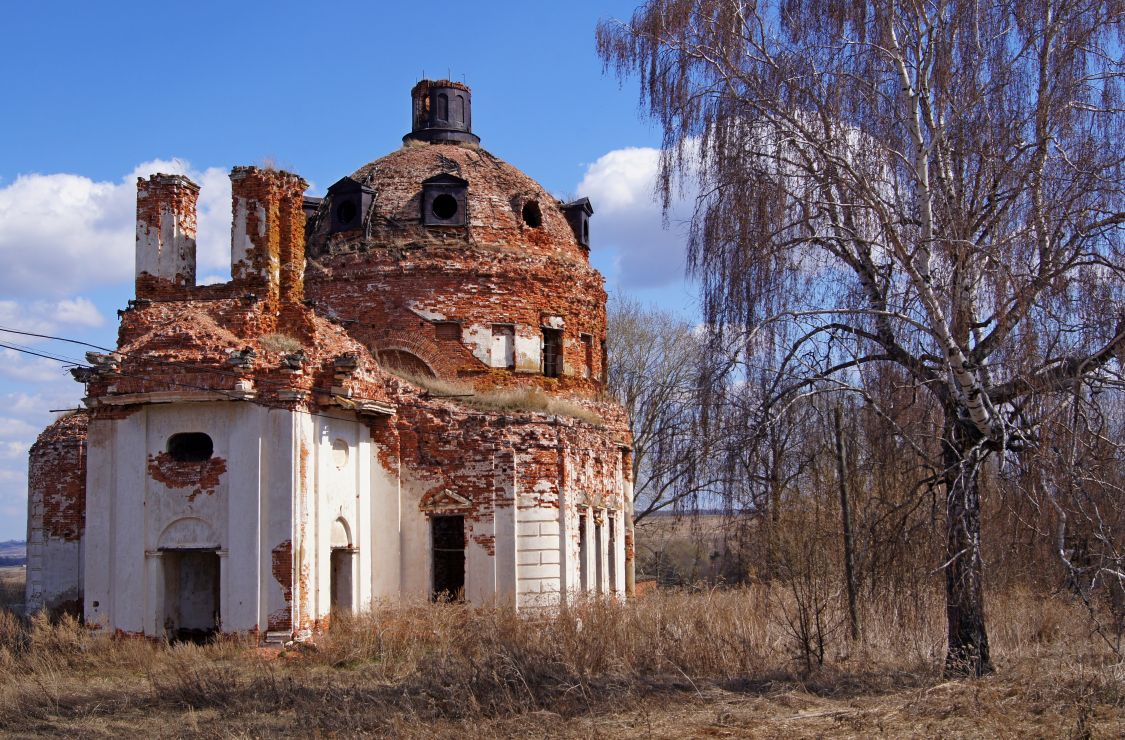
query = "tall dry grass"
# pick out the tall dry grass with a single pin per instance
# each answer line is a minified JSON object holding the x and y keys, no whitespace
{"x":11,"y":588}
{"x":399,"y":669}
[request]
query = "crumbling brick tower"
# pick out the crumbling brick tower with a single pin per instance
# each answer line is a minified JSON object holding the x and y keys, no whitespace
{"x":402,"y":397}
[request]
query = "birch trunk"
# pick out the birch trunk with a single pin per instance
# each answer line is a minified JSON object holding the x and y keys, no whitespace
{"x":968,"y":653}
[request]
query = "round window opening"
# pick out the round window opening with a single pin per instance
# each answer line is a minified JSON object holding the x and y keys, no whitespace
{"x":346,"y":212}
{"x":444,"y":206}
{"x":190,"y":447}
{"x":532,"y":216}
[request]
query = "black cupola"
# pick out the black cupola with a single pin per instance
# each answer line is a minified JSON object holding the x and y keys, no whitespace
{"x":443,"y":112}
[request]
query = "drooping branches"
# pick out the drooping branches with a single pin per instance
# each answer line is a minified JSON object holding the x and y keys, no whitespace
{"x":934,"y":186}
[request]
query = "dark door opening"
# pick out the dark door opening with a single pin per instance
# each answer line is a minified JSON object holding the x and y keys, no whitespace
{"x":552,"y":352}
{"x":448,"y":535}
{"x":588,"y":355}
{"x":612,"y":554}
{"x":191,"y":595}
{"x":582,"y":549}
{"x":599,"y":554}
{"x":342,"y":580}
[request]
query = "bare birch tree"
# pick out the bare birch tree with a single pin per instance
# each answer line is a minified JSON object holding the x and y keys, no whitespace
{"x":934,"y":185}
{"x":654,"y":372}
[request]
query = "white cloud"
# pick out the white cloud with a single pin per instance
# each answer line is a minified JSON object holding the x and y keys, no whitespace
{"x":16,"y":365}
{"x":45,"y":317}
{"x":628,"y":221}
{"x":80,"y":311}
{"x":61,"y":232}
{"x":16,"y":450}
{"x":62,"y":238}
{"x":25,"y":406}
{"x":10,"y":427}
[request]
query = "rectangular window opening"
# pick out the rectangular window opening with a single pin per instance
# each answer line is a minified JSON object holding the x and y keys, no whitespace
{"x":612,"y":521}
{"x":448,"y":330}
{"x":581,"y":570}
{"x":448,"y":537}
{"x":599,"y":553}
{"x":552,"y":352}
{"x":587,"y":355}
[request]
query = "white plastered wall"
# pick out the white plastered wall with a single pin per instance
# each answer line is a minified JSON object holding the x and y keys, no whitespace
{"x":54,"y":564}
{"x":342,"y":457}
{"x":490,"y":542}
{"x":132,"y":518}
{"x":580,"y":571}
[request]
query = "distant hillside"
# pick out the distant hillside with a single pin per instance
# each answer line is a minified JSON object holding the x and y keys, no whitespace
{"x":13,"y":552}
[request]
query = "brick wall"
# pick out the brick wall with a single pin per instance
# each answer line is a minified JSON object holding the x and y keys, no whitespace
{"x":57,"y":515}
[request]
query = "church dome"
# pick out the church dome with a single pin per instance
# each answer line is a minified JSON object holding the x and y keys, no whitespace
{"x":442,"y":188}
{"x":444,"y":260}
{"x":444,"y":194}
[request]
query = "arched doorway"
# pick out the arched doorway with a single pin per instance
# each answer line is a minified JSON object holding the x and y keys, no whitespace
{"x":402,"y":361}
{"x":343,"y":562}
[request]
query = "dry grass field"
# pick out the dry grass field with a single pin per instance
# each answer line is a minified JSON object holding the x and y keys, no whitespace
{"x":11,"y":585}
{"x":672,"y":664}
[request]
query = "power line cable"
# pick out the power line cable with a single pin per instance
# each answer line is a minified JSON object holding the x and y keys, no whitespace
{"x":186,"y":366}
{"x":231,"y":395}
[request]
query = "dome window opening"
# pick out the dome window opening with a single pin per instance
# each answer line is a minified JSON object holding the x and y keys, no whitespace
{"x":348,"y":202}
{"x":578,"y":216}
{"x":346,"y":213}
{"x":444,"y":207}
{"x":444,"y":200}
{"x":532,"y":216}
{"x":190,"y":447}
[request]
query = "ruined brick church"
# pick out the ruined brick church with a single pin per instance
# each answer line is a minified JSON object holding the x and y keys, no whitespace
{"x":400,"y":394}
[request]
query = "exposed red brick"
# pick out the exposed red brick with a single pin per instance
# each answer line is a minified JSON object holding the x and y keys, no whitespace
{"x":201,"y":477}
{"x":282,"y":619}
{"x":487,"y":541}
{"x":57,"y":479}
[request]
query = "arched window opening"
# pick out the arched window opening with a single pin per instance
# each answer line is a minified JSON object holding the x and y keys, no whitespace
{"x":190,"y":447}
{"x":442,"y":107}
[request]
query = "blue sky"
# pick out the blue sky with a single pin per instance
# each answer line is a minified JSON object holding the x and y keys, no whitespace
{"x":97,"y":94}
